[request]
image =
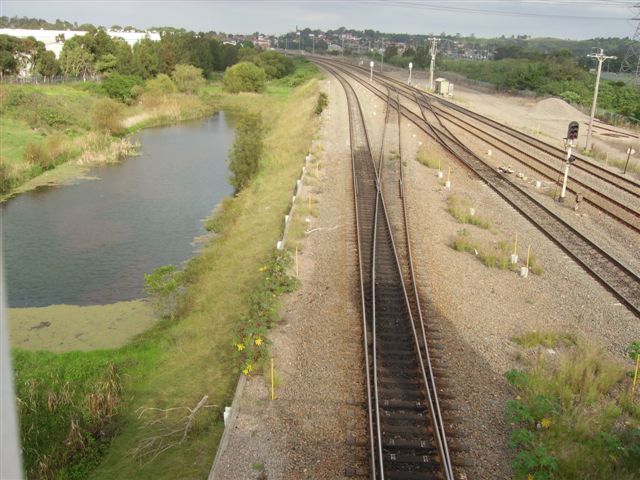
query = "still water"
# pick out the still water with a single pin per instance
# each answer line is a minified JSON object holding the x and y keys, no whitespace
{"x":92,"y":242}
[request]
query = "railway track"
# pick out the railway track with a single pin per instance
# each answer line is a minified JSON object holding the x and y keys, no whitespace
{"x":615,"y":195}
{"x":623,"y":282}
{"x":407,"y":433}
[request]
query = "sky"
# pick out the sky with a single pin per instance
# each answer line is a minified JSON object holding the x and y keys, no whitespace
{"x":577,"y":19}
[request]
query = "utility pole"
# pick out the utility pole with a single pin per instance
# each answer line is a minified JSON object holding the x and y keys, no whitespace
{"x":313,"y":49}
{"x":382,"y":56}
{"x":601,"y":57}
{"x":434,"y":50}
{"x":342,"y":53}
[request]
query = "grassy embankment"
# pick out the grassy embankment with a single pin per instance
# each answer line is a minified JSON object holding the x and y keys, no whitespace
{"x":574,"y":415}
{"x":177,"y":363}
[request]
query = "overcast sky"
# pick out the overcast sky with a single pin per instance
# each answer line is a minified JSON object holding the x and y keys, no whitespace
{"x":487,"y":18}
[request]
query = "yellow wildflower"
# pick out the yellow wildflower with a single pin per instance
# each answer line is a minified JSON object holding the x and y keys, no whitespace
{"x":530,"y":477}
{"x":240,"y":346}
{"x":545,"y":422}
{"x":258,"y":341}
{"x":245,"y":371}
{"x":262,"y":269}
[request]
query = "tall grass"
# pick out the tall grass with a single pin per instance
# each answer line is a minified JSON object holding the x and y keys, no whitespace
{"x":573,"y":417}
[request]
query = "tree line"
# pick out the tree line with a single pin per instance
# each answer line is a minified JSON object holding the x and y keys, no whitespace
{"x":97,"y":53}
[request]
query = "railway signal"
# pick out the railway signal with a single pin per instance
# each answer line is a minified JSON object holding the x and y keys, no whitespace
{"x":570,"y":142}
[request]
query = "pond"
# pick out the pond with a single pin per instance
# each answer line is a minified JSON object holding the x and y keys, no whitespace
{"x":92,"y":242}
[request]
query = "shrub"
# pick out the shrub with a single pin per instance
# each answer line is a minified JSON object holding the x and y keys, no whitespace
{"x":322,"y":103}
{"x":187,"y":78}
{"x":161,"y":85}
{"x":571,"y":97}
{"x":107,"y":116}
{"x":164,"y":287}
{"x":246,"y":151}
{"x":36,"y":153}
{"x":244,"y":77}
{"x":275,"y":64}
{"x":120,"y":87}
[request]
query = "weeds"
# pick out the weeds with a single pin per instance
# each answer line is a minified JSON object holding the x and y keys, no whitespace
{"x":546,"y":339}
{"x":250,"y":342}
{"x":572,"y":417}
{"x":460,"y":208}
{"x":494,"y":255}
{"x":321,"y":104}
{"x":427,"y":158}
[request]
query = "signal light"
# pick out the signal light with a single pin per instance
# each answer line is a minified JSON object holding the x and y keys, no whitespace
{"x":572,"y":131}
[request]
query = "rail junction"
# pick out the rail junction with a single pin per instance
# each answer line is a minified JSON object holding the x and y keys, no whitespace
{"x":409,"y":427}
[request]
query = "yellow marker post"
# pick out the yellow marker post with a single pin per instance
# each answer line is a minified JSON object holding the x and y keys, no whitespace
{"x":273,"y":381}
{"x":296,"y":261}
{"x":635,"y":376}
{"x":528,"y":254}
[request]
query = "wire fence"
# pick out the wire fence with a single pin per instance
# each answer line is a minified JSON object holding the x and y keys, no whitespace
{"x":39,"y":79}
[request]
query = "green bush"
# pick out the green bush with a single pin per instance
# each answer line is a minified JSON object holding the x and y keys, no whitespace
{"x":120,"y":87}
{"x":107,"y":116}
{"x":321,"y":104}
{"x":244,"y":77}
{"x":164,"y":287}
{"x":246,"y":151}
{"x":187,"y":78}
{"x":160,"y":85}
{"x":275,"y":64}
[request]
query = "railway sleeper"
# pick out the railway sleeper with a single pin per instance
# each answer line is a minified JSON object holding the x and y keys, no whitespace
{"x":407,"y":430}
{"x":409,"y":475}
{"x":400,"y":392}
{"x":422,"y":460}
{"x":404,"y":404}
{"x":402,"y":416}
{"x":403,"y":443}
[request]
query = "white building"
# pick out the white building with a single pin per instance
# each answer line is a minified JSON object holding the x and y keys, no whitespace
{"x":54,"y":39}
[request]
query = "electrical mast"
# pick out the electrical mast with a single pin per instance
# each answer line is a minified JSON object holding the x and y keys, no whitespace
{"x":434,"y":50}
{"x":601,"y":57}
{"x":631,"y":62}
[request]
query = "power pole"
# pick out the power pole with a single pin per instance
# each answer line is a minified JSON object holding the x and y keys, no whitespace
{"x":434,"y":50}
{"x":631,"y":62}
{"x":382,"y":56}
{"x":601,"y":57}
{"x":313,"y":49}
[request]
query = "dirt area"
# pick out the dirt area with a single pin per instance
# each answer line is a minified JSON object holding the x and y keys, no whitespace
{"x":478,"y":310}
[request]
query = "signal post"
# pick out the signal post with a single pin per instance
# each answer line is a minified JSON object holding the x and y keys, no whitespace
{"x":570,"y":142}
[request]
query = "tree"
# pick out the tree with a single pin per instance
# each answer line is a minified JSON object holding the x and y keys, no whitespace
{"x":161,"y":85}
{"x":246,"y":151}
{"x":146,"y":59}
{"x":75,"y":60}
{"x":47,"y":65}
{"x":244,"y":77}
{"x":188,"y":78}
{"x":8,"y":63}
{"x":106,"y":63}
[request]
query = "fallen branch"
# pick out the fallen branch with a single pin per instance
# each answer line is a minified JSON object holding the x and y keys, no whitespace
{"x":169,"y":434}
